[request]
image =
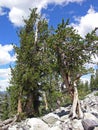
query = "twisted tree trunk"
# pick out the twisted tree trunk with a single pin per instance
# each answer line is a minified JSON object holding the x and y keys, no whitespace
{"x":76,"y":111}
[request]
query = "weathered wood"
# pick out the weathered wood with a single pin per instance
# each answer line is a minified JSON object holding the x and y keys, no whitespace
{"x":5,"y":127}
{"x":6,"y":123}
{"x":89,"y":124}
{"x":76,"y":111}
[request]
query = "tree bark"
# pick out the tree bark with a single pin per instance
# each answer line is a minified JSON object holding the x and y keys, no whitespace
{"x":19,"y":109}
{"x":72,"y":90}
{"x":66,"y":80}
{"x":45,"y":100}
{"x":29,"y":105}
{"x":36,"y":104}
{"x":6,"y":123}
{"x":76,"y":111}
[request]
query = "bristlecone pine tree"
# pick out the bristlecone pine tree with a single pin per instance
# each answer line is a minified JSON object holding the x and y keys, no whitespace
{"x":72,"y":52}
{"x":26,"y":84}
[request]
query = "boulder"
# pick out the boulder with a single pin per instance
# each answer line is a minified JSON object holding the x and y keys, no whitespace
{"x":89,"y":124}
{"x":65,"y":118}
{"x":90,"y":102}
{"x":50,"y":119}
{"x":37,"y":124}
{"x":88,"y":115}
{"x":77,"y":125}
{"x":15,"y":127}
{"x":60,"y":120}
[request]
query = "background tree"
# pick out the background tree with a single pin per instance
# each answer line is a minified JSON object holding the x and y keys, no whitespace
{"x":83,"y":88}
{"x":94,"y":81}
{"x":5,"y":107}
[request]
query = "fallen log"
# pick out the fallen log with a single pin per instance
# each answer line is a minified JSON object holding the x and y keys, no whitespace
{"x":5,"y":127}
{"x":6,"y":123}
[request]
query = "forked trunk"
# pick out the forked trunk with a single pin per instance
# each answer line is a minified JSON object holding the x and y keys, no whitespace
{"x":76,"y":111}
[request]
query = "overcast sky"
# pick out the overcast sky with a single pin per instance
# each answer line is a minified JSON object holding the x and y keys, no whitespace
{"x":83,"y":15}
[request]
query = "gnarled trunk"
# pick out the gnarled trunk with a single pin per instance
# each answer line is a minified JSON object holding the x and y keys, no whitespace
{"x":76,"y":111}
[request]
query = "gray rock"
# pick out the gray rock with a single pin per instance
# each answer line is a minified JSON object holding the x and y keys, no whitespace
{"x":15,"y":127}
{"x":89,"y":124}
{"x":65,"y":118}
{"x":90,"y":116}
{"x":77,"y":125}
{"x":30,"y":124}
{"x":37,"y":124}
{"x":59,"y":119}
{"x":96,"y":128}
{"x":50,"y":119}
{"x":55,"y":128}
{"x":67,"y":125}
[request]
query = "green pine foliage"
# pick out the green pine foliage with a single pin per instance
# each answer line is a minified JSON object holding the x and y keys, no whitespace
{"x":33,"y":67}
{"x":83,"y":89}
{"x":5,"y":108}
{"x":26,"y":74}
{"x":71,"y":52}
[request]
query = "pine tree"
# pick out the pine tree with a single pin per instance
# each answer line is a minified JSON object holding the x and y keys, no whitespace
{"x":26,"y":75}
{"x":83,"y":88}
{"x":71,"y":52}
{"x":94,"y":81}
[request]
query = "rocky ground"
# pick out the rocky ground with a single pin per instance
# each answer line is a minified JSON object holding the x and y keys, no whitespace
{"x":59,"y":119}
